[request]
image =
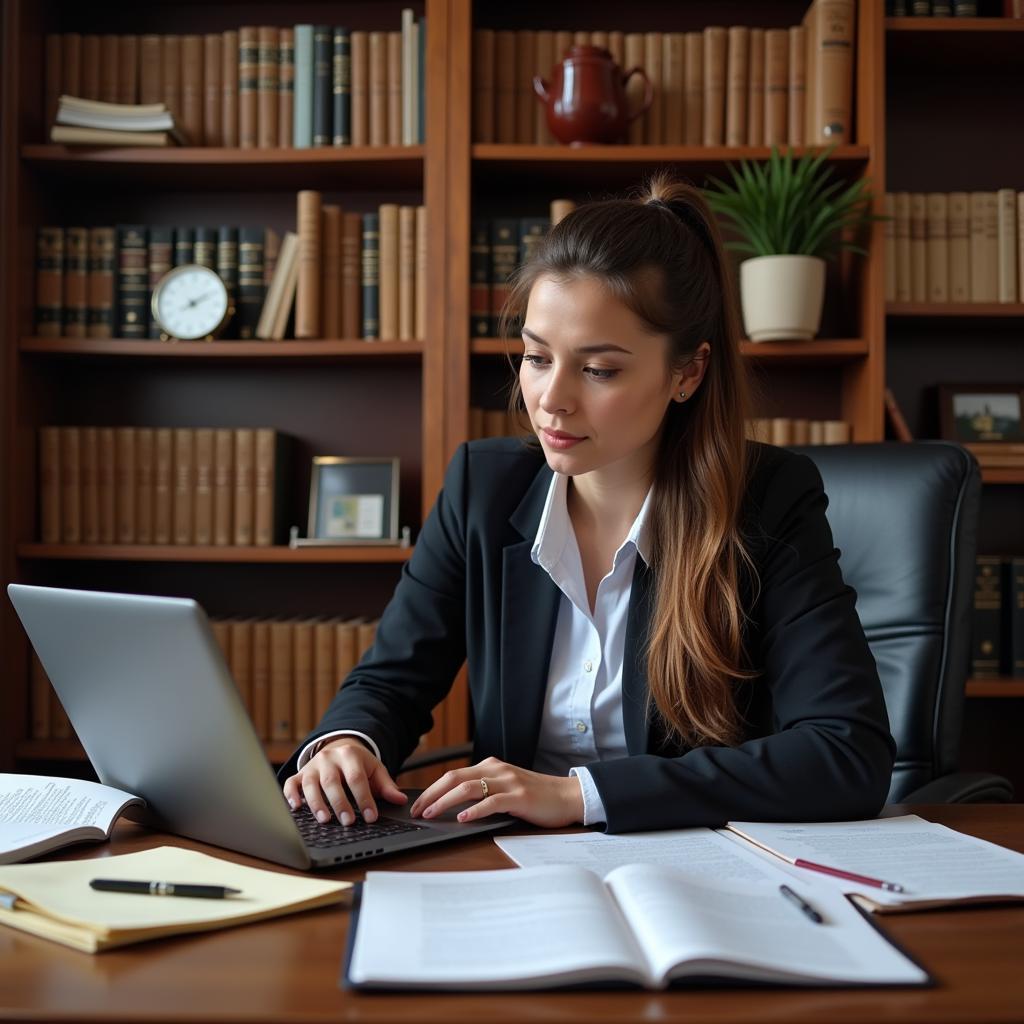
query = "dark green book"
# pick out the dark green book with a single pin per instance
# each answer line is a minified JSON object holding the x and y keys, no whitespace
{"x":480,"y":279}
{"x":1013,"y":616}
{"x":227,"y":271}
{"x":341,"y":88}
{"x":322,"y":106}
{"x":504,"y":260}
{"x":987,"y":616}
{"x":161,"y":258}
{"x":184,"y":241}
{"x":371,"y":275}
{"x":204,"y":252}
{"x":251,"y":289}
{"x":132,"y":280}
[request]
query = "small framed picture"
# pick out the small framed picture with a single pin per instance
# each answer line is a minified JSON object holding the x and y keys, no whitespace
{"x":353,"y":500}
{"x":981,"y":412}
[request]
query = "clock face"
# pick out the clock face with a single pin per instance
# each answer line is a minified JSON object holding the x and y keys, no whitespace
{"x":190,"y":302}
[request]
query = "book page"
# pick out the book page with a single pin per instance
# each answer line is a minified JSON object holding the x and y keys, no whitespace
{"x":691,"y":925}
{"x":36,"y":807}
{"x":930,"y":861}
{"x":488,"y":929}
{"x":700,"y":851}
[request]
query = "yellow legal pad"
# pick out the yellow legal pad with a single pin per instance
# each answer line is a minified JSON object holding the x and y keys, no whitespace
{"x":55,"y":902}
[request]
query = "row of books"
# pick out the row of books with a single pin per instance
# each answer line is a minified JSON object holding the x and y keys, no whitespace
{"x":143,"y":485}
{"x":733,"y":86}
{"x":947,"y":9}
{"x":256,"y":86}
{"x":349,"y":275}
{"x":954,"y":247}
{"x":997,"y":644}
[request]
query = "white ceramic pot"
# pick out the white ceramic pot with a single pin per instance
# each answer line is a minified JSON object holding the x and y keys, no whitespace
{"x":782,"y":297}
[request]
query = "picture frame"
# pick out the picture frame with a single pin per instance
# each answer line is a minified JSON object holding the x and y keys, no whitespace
{"x":353,"y":500}
{"x":982,"y":413}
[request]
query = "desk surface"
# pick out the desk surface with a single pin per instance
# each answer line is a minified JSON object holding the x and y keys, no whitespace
{"x":287,"y":970}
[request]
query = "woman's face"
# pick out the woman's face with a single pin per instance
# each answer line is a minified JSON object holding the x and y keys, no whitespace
{"x":595,"y":383}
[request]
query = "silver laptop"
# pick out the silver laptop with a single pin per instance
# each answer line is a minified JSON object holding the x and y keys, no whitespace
{"x":148,"y":691}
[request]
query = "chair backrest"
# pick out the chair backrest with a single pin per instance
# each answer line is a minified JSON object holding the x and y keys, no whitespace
{"x":904,"y":518}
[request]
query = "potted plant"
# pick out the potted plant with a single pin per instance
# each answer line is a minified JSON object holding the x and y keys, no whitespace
{"x":791,"y":217}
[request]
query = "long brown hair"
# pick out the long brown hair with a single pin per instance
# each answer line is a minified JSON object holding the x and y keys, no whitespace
{"x":661,"y":254}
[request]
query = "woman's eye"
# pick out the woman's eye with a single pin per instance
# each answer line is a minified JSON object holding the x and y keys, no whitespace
{"x":533,"y":360}
{"x":599,"y":374}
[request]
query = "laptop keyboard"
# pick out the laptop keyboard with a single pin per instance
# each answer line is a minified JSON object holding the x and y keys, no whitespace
{"x":333,"y":833}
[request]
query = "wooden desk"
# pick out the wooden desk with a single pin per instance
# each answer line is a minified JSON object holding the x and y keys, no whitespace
{"x":287,"y":970}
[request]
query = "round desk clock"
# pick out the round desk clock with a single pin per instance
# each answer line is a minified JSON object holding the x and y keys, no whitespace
{"x":191,"y":302}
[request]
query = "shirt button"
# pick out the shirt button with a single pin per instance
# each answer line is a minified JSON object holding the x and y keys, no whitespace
{"x":581,"y":726}
{"x":588,"y":666}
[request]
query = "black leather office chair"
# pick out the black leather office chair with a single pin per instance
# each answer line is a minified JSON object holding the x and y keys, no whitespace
{"x":904,"y":517}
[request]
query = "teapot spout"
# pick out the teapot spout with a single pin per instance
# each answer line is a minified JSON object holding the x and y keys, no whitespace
{"x":540,"y":87}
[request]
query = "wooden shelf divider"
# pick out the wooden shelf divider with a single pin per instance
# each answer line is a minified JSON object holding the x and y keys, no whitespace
{"x":995,"y":688}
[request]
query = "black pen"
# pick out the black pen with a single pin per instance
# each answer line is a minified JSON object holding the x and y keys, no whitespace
{"x":802,"y":904}
{"x":209,"y":892}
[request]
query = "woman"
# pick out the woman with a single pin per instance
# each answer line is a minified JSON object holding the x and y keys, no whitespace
{"x":656,"y":628}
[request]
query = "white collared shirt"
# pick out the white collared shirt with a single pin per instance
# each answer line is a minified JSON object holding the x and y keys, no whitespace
{"x":582,"y":719}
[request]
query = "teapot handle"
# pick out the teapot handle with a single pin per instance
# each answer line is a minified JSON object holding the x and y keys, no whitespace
{"x":648,"y":92}
{"x":540,"y":87}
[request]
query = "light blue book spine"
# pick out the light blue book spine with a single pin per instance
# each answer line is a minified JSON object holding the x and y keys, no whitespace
{"x":302,"y":124}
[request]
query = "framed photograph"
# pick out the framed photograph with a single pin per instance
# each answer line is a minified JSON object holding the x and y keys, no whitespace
{"x":971,"y":413}
{"x":353,"y":500}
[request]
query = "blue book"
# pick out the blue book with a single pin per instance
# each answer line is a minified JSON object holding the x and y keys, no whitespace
{"x":302,"y":125}
{"x":371,"y":275}
{"x":341,"y":90}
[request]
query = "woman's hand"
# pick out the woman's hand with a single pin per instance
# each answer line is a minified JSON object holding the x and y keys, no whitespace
{"x":546,"y":800}
{"x":346,"y":761}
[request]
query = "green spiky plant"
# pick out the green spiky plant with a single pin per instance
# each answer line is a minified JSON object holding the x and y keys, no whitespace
{"x":791,"y":207}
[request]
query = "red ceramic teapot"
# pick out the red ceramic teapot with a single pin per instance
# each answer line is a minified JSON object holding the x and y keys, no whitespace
{"x":586,"y":100}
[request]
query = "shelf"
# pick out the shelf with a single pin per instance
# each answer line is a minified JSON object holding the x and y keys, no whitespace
{"x":955,"y":310}
{"x":610,"y":168}
{"x":246,"y":170}
{"x":995,"y":687}
{"x":184,"y":553}
{"x":277,"y":751}
{"x":248,"y":351}
{"x":992,"y":475}
{"x":820,"y":351}
{"x":971,"y":44}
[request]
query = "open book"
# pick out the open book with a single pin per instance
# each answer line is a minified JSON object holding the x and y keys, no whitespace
{"x":643,"y":925}
{"x":40,"y":813}
{"x":55,"y":901}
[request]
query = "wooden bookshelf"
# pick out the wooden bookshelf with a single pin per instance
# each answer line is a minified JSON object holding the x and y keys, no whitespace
{"x":955,"y":310}
{"x":274,"y":555}
{"x":1001,"y":475}
{"x":277,"y":751}
{"x":995,"y":687}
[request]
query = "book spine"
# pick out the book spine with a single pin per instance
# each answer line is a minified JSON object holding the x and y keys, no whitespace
{"x":89,"y":479}
{"x":251,"y":289}
{"x":959,"y":248}
{"x":202,"y":493}
{"x":325,"y":682}
{"x":223,"y":486}
{"x":378,"y":80}
{"x":505,"y":86}
{"x":302,"y":94}
{"x":341,"y":88}
{"x":133,"y":280}
{"x":213,"y":89}
{"x":144,"y":475}
{"x":245,"y":456}
{"x":302,"y":675}
{"x":69,"y":64}
{"x":504,"y":259}
{"x":388,"y":271}
{"x":406,"y":273}
{"x":229,"y":88}
{"x":286,"y":89}
{"x":346,"y":651}
{"x":50,"y":482}
{"x":76,"y":283}
{"x":755,"y":88}
{"x":918,"y":247}
{"x":109,"y":66}
{"x":525,"y":98}
{"x":163,"y":486}
{"x":106,"y":485}
{"x":797,"y":85}
{"x":184,"y":245}
{"x":90,"y":82}
{"x":240,"y":645}
{"x":1015,"y":625}
{"x":184,"y":485}
{"x":834,"y":71}
{"x":483,"y":82}
{"x":531,"y":233}
{"x":1006,"y":206}
{"x":52,"y":76}
{"x":170,"y":70}
{"x":124,"y":485}
{"x":937,"y":246}
{"x":128,"y":69}
{"x":204,"y":250}
{"x":49,"y":281}
{"x":192,"y":89}
{"x":330,"y":279}
{"x":396,"y":114}
{"x":776,"y":87}
{"x":480,"y":280}
{"x":281,"y":681}
{"x":248,"y":86}
{"x":716,"y":45}
{"x":161,"y":256}
{"x":371,"y":276}
{"x":359,"y":46}
{"x":266,"y":87}
{"x":904,"y":273}
{"x":420,"y":326}
{"x":351,"y":275}
{"x":985,"y":650}
{"x":323,"y":45}
{"x":635,"y":57}
{"x":544,"y":60}
{"x":307,"y":296}
{"x":227,"y":267}
{"x":261,"y":679}
{"x":890,"y":247}
{"x":267,"y":483}
{"x":737,"y":85}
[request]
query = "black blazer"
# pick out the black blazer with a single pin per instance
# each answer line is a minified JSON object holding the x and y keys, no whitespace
{"x":816,"y":743}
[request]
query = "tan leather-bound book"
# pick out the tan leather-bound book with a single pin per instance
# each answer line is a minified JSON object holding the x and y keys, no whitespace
{"x":360,"y":103}
{"x":260,"y":680}
{"x":282,"y":685}
{"x":378,"y":82}
{"x":420,"y":324}
{"x":817,"y":432}
{"x":904,"y":274}
{"x":406,"y":273}
{"x":240,"y":642}
{"x":325,"y":680}
{"x":636,"y":56}
{"x":202,"y":495}
{"x":918,"y":247}
{"x":737,"y":84}
{"x":70,"y":486}
{"x":797,"y":85}
{"x":50,"y":498}
{"x":505,"y":86}
{"x":755,"y":89}
{"x":288,"y":265}
{"x":170,"y":69}
{"x":801,"y":431}
{"x":560,"y":208}
{"x":76,"y":283}
{"x":984,"y":247}
{"x":937,"y":246}
{"x":1006,"y":211}
{"x":109,"y":66}
{"x":88,"y":475}
{"x":526,"y":98}
{"x":544,"y":60}
{"x":693,"y":89}
{"x":163,"y":485}
{"x":221,"y":630}
{"x":394,"y":88}
{"x":49,"y":281}
{"x":144,"y":476}
{"x":245,"y":476}
{"x":483,"y":84}
{"x":71,"y":63}
{"x":782,"y":430}
{"x":366,"y":634}
{"x":248,"y":86}
{"x":128,"y":72}
{"x":330,"y":263}
{"x":268,"y":487}
{"x":351,"y":270}
{"x":563,"y":40}
{"x":388,"y":271}
{"x":106,"y":478}
{"x":835,"y":30}
{"x":271,"y":250}
{"x":229,"y":88}
{"x":812,"y":82}
{"x":223,"y":486}
{"x":716,"y":46}
{"x":889,"y":207}
{"x":100,"y":283}
{"x":673,"y":70}
{"x":213,"y":87}
{"x":53,"y":85}
{"x":39,"y":698}
{"x":302,"y":678}
{"x":184,"y":485}
{"x":776,"y":87}
{"x":286,"y":89}
{"x":284,"y":262}
{"x":193,"y":93}
{"x":652,"y":120}
{"x":346,"y":649}
{"x":408,"y":80}
{"x":836,"y":432}
{"x":125,"y":484}
{"x":307,"y":295}
{"x":90,"y":67}
{"x":151,"y":69}
{"x":266,"y":86}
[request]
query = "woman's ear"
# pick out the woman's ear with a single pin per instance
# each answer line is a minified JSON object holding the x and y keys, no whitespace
{"x":687,"y":379}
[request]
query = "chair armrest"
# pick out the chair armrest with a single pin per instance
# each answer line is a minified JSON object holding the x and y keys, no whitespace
{"x":962,"y":788}
{"x":436,"y":756}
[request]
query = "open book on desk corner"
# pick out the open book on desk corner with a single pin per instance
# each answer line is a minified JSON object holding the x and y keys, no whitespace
{"x":643,"y":925}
